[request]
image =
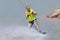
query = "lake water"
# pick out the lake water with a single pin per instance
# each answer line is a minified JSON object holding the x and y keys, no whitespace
{"x":12,"y":29}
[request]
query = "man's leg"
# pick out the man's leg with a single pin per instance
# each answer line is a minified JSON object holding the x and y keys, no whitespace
{"x":38,"y":28}
{"x":29,"y":25}
{"x":36,"y":25}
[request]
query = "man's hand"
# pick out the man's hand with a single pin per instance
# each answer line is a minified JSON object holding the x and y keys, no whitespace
{"x":27,"y":16}
{"x":33,"y":12}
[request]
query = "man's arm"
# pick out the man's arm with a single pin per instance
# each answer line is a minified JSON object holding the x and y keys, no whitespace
{"x":26,"y":15}
{"x":34,"y":12}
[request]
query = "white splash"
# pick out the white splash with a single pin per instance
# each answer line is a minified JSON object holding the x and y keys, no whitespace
{"x":20,"y":33}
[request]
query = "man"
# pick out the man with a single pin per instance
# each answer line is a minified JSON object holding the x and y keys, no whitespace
{"x":31,"y":16}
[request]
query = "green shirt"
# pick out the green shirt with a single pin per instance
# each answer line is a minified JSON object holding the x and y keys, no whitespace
{"x":31,"y":16}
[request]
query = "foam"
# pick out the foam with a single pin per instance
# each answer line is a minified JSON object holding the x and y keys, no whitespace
{"x":20,"y":33}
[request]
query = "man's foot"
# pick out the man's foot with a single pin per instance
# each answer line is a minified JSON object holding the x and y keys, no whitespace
{"x":42,"y":32}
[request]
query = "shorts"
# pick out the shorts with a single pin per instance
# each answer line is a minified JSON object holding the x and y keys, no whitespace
{"x":32,"y":22}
